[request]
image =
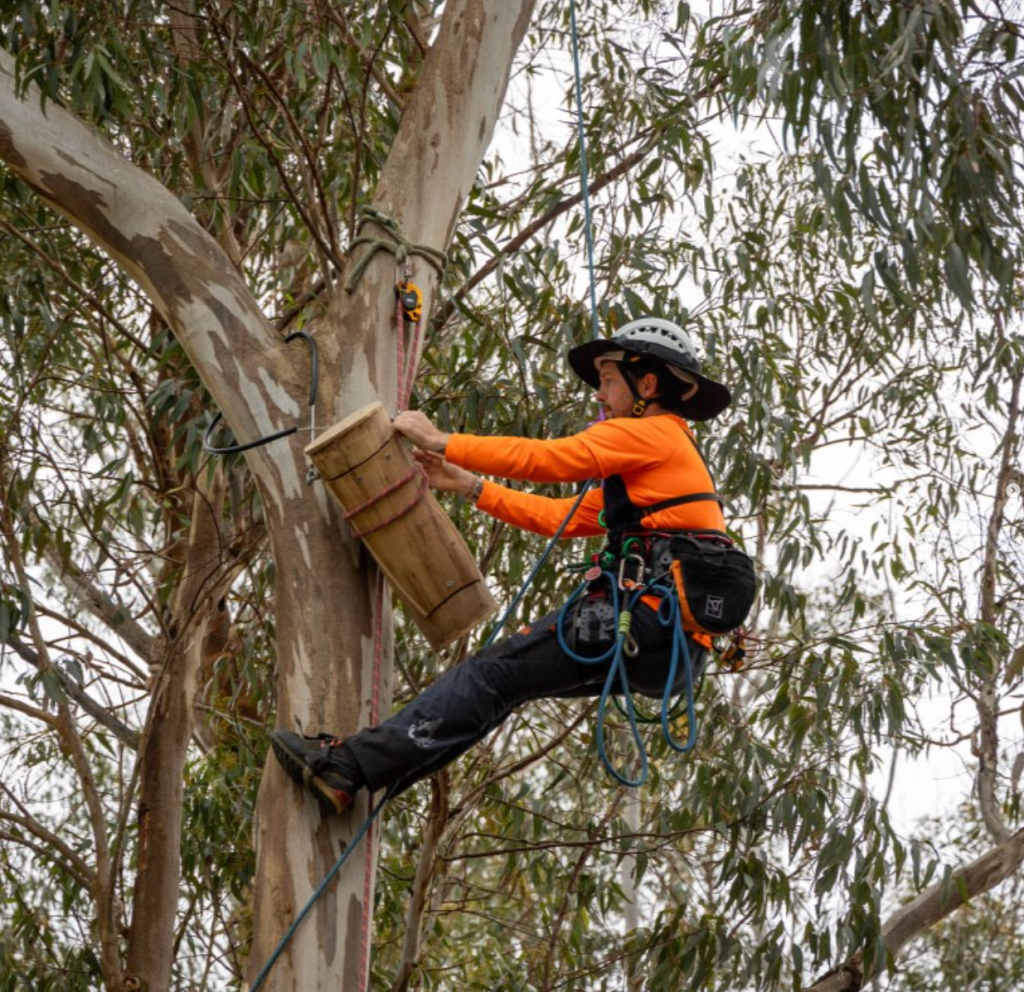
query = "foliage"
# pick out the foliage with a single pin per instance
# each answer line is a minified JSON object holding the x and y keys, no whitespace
{"x":854,"y":282}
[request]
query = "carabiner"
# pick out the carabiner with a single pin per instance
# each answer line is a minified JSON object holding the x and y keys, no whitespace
{"x":631,"y":583}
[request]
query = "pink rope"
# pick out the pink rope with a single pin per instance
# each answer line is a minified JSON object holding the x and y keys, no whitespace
{"x":406,"y":375}
{"x":378,"y":654}
{"x":398,"y":514}
{"x":408,"y":477}
{"x":406,"y":363}
{"x":409,"y":376}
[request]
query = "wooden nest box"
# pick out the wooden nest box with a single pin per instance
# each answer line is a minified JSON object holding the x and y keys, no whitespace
{"x":384,"y":494}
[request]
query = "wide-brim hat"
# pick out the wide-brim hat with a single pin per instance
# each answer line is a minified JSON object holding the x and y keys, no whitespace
{"x":653,"y":337}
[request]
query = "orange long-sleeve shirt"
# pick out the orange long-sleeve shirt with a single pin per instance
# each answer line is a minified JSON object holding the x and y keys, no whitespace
{"x":654,"y":456}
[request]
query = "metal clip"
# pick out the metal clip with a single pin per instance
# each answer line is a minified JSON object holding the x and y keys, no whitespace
{"x":631,"y":583}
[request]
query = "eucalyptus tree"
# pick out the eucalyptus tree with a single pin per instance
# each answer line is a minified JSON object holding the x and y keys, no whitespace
{"x":244,"y":90}
{"x":185,"y":184}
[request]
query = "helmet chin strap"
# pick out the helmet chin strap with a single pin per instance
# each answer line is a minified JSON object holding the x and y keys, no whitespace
{"x":639,"y":403}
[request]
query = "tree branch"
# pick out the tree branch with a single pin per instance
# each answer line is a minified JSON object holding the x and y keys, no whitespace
{"x":71,"y":860}
{"x":125,"y":734}
{"x":988,"y":697}
{"x":90,"y":597}
{"x":933,"y":905}
{"x":32,"y":711}
{"x":71,"y":741}
{"x":437,"y":821}
{"x":564,"y":206}
{"x":187,"y":275}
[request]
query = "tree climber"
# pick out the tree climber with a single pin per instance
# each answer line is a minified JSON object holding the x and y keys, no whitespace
{"x":655,"y":484}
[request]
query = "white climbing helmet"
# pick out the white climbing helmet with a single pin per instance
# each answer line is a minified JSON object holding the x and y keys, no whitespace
{"x":654,"y":337}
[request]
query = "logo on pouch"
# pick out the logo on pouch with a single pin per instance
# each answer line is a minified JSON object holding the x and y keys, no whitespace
{"x":715,"y":606}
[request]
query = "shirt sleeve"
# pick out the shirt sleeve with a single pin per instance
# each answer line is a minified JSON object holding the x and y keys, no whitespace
{"x":542,"y":514}
{"x":605,"y":448}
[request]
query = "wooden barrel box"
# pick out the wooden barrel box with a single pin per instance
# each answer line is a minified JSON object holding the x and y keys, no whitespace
{"x":367,"y":467}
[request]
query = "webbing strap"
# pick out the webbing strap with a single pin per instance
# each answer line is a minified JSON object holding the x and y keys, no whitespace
{"x":666,"y":504}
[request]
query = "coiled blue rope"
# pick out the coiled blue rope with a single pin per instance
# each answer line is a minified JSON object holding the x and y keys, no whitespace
{"x":617,"y":680}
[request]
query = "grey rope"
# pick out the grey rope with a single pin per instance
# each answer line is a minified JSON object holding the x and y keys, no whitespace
{"x":399,"y":246}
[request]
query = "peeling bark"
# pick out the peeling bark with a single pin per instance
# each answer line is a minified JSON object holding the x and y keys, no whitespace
{"x":186,"y":274}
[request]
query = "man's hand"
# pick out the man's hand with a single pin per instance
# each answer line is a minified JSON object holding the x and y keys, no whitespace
{"x":418,"y":429}
{"x":443,"y":475}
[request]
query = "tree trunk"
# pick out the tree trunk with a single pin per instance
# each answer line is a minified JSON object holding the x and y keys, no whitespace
{"x":325,"y":582}
{"x":165,"y":743}
{"x":326,"y":587}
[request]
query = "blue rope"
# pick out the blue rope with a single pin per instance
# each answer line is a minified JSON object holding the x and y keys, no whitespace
{"x":617,"y":680}
{"x":588,"y":227}
{"x":320,"y":889}
{"x":539,"y":564}
{"x":584,"y":174}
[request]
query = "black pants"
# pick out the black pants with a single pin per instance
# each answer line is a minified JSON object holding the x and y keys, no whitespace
{"x":470,"y":700}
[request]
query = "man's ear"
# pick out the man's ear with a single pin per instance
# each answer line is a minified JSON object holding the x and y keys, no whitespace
{"x":648,"y":386}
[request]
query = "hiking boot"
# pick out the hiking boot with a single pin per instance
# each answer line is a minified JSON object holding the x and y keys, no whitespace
{"x":321,"y":764}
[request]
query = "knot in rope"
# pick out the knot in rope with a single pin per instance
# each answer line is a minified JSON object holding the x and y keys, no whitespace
{"x":397,"y":244}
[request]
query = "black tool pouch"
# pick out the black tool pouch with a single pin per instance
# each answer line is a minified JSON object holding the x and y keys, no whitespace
{"x":715,"y":581}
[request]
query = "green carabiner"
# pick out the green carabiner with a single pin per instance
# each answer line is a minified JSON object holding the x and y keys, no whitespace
{"x":629,"y":541}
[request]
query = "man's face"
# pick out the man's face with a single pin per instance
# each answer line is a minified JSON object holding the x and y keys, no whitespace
{"x":613,"y":392}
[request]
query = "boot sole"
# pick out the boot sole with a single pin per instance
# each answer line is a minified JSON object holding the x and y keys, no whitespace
{"x":299,"y":772}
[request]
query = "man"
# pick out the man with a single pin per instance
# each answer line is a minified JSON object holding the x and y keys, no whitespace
{"x":648,"y":379}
